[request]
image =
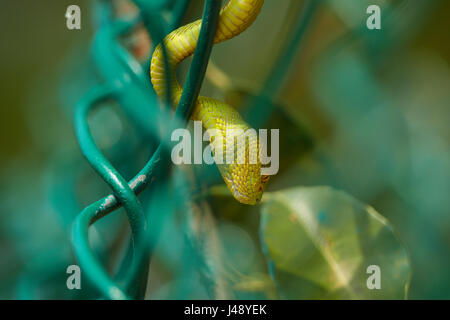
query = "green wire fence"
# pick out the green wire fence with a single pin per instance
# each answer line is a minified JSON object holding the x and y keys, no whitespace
{"x":121,"y":81}
{"x":124,"y":193}
{"x":114,"y":251}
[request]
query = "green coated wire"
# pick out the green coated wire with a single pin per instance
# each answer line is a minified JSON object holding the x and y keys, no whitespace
{"x":135,"y":98}
{"x":93,"y":268}
{"x":117,"y":64}
{"x":200,"y":61}
{"x":178,"y":13}
{"x":157,"y":33}
{"x":101,"y":165}
{"x":119,"y":185}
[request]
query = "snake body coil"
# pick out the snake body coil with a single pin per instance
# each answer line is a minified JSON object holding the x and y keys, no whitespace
{"x":244,"y":180}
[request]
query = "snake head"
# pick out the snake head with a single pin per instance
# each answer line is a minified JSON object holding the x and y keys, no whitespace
{"x":246,"y":183}
{"x":242,"y":175}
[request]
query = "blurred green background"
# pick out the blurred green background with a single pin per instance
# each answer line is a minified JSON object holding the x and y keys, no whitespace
{"x":362,"y":111}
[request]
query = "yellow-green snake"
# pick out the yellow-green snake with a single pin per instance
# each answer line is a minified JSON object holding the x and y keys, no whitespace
{"x":243,"y":180}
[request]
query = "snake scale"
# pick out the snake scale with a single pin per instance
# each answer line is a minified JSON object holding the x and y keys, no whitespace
{"x":243,"y":179}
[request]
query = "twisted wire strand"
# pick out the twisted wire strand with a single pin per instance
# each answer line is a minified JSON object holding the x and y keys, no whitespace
{"x":93,"y":268}
{"x":123,"y":194}
{"x":111,"y":176}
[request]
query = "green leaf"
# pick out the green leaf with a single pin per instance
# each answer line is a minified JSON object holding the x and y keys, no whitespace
{"x":319,"y":243}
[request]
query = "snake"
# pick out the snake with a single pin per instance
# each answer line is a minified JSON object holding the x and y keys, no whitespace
{"x":244,"y":179}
